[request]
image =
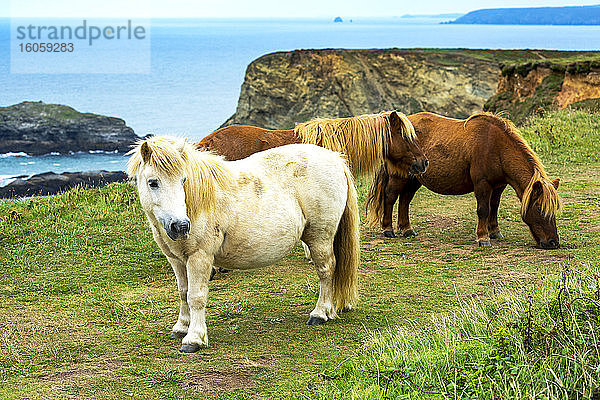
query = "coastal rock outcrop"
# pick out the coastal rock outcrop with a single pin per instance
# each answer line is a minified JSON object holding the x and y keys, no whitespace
{"x":527,"y":88}
{"x":50,"y":183}
{"x":38,"y":128}
{"x":281,"y":89}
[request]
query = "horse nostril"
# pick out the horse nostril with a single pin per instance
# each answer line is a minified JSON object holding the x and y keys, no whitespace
{"x":185,"y":226}
{"x":174,"y":227}
{"x":553,"y":243}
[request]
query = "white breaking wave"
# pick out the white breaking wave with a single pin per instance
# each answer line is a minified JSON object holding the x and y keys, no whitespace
{"x":102,"y":151}
{"x":6,"y":180}
{"x":19,"y":154}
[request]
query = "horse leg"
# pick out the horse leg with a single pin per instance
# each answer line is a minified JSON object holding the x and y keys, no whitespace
{"x":493,"y":228}
{"x":324,"y":261}
{"x":392,"y":190}
{"x":198,"y":268}
{"x":408,"y":192}
{"x":180,"y":328}
{"x":483,"y":195}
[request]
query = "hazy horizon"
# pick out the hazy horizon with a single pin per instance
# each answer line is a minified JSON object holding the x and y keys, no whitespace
{"x":258,"y":9}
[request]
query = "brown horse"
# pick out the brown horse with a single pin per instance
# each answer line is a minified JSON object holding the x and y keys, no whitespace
{"x":481,"y":154}
{"x":366,"y":140}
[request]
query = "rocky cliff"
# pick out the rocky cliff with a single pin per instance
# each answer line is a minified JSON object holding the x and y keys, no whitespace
{"x":281,"y":89}
{"x":526,"y":88}
{"x":38,"y":128}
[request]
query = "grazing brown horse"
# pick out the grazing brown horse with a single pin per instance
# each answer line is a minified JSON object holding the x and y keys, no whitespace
{"x":481,"y":154}
{"x":366,"y":140}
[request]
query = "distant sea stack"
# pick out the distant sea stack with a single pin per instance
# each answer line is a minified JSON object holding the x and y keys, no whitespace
{"x":38,"y":128}
{"x":576,"y":15}
{"x":338,"y":19}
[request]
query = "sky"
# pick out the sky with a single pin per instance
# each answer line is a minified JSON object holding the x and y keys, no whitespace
{"x":257,"y":8}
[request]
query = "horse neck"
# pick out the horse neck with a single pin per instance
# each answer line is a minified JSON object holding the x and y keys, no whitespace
{"x":519,"y":168}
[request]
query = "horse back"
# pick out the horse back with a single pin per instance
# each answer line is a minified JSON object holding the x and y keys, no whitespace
{"x":460,"y":151}
{"x":235,"y":142}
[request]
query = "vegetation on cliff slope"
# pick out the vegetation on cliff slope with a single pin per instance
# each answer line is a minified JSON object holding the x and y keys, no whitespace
{"x":544,"y":95}
{"x":87,"y":301}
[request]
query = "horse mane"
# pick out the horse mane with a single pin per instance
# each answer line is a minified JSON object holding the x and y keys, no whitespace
{"x":364,"y":139}
{"x":550,"y":203}
{"x":205,"y":171}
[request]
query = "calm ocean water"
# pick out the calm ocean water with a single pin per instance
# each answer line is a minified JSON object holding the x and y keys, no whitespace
{"x":198,"y":67}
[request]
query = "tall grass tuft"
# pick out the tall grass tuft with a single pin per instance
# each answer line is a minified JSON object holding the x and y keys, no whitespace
{"x":539,"y":344}
{"x":565,"y":136}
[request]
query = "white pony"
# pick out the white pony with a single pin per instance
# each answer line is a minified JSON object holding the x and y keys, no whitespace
{"x":250,"y":213}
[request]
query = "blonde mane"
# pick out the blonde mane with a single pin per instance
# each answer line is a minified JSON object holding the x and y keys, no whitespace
{"x":550,"y":203}
{"x":205,"y":172}
{"x":364,"y":139}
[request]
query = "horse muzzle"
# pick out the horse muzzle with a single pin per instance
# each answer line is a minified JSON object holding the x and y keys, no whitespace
{"x":178,"y":229}
{"x":550,"y":244}
{"x":419,"y":167}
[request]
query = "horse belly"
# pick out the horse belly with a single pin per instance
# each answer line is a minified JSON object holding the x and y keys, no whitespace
{"x":262,"y":238}
{"x":447,"y":179}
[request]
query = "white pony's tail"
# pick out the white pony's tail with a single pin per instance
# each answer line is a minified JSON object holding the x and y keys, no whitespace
{"x":346,"y":248}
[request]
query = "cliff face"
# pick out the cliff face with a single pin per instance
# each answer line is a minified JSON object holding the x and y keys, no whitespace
{"x":38,"y":128}
{"x":526,"y":88}
{"x":281,"y":89}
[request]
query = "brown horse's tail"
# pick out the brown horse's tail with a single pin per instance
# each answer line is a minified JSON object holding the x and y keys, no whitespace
{"x":374,"y":205}
{"x":346,"y":248}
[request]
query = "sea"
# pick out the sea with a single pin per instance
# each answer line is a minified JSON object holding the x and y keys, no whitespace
{"x":198,"y":65}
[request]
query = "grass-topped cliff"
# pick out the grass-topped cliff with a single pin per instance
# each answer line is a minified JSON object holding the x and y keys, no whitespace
{"x":282,"y":89}
{"x":87,"y":301}
{"x":545,"y":84}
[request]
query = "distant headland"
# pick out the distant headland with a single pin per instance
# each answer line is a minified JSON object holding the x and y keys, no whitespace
{"x":572,"y":15}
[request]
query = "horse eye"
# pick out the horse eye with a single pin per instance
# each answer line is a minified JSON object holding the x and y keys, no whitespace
{"x":153,"y":183}
{"x":183,"y":180}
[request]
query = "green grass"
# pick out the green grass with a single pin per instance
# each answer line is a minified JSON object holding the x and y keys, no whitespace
{"x":87,"y":300}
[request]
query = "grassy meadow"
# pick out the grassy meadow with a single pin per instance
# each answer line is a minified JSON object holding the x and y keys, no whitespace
{"x":87,"y":301}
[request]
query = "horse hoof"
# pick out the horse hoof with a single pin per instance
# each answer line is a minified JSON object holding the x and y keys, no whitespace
{"x":315,"y":321}
{"x":389,"y":234}
{"x":496,"y":235}
{"x":347,"y":309}
{"x":223,"y":270}
{"x":189,"y":348}
{"x":410,"y":233}
{"x":484,"y":243}
{"x":177,"y":335}
{"x":212,"y":274}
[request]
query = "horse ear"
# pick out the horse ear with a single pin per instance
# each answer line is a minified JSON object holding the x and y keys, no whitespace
{"x":395,"y":123}
{"x":181,"y":144}
{"x":556,"y":183}
{"x":145,"y":151}
{"x":536,"y":190}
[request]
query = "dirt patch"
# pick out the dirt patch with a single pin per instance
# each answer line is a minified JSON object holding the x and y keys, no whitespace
{"x":88,"y":370}
{"x":441,"y":222}
{"x":219,"y":381}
